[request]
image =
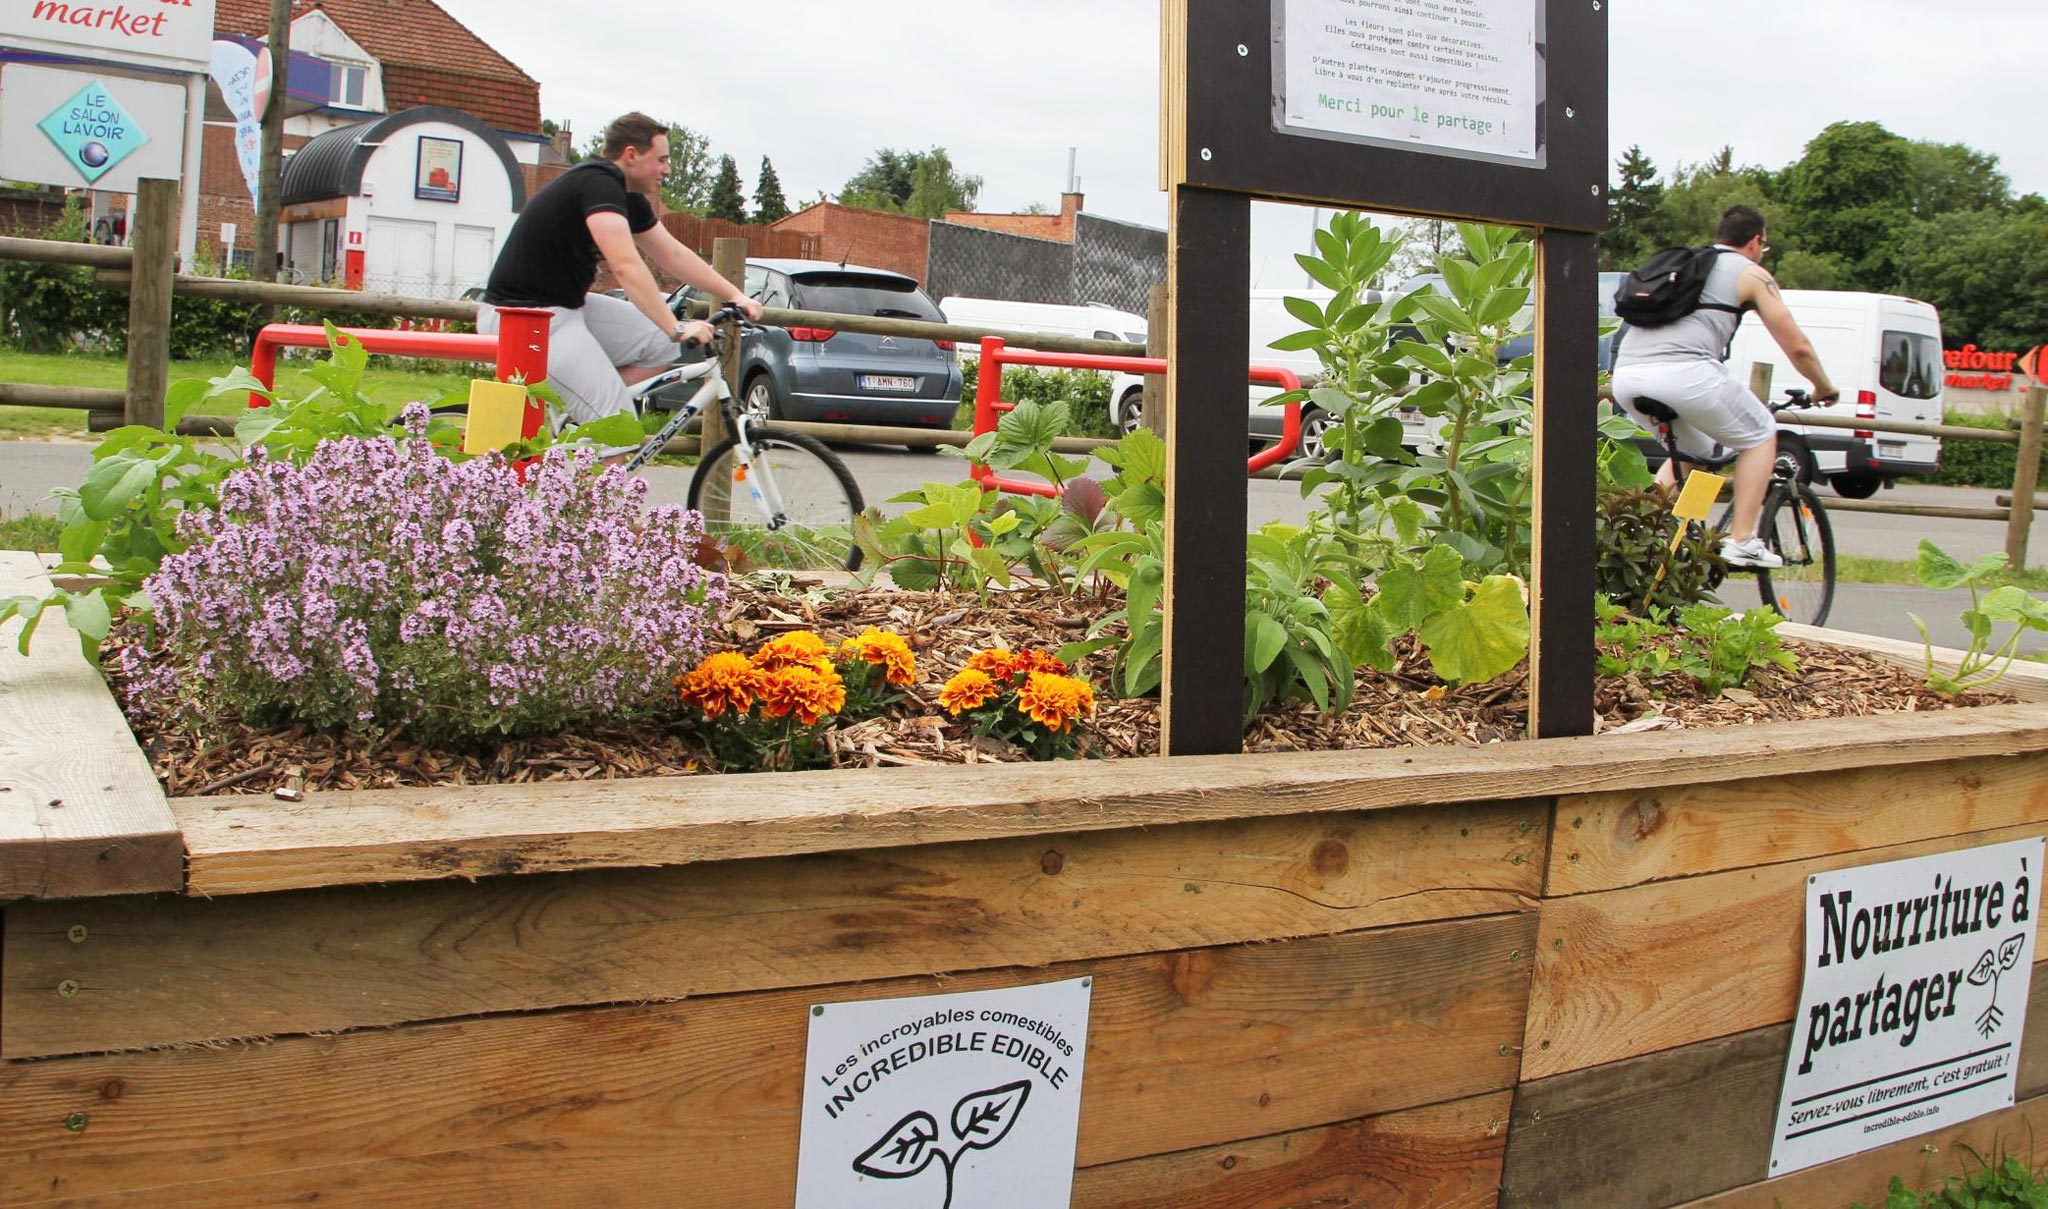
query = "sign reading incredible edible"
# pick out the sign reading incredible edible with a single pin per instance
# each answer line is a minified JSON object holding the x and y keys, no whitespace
{"x":1915,"y":992}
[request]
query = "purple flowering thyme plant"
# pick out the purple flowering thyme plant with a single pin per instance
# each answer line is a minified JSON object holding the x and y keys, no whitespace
{"x":381,"y":586}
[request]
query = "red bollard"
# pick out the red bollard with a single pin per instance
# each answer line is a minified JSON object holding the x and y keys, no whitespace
{"x":523,"y":356}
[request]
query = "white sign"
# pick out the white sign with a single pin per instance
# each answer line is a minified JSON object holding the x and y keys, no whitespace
{"x":243,"y":77}
{"x":1450,"y":75}
{"x":967,"y":1099}
{"x":1915,"y":992}
{"x":147,"y":33}
{"x":80,"y":129}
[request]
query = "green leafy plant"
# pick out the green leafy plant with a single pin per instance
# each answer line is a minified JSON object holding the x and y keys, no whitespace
{"x":1982,"y":665}
{"x":1290,"y":645}
{"x":1999,"y":1182}
{"x":1472,"y":631}
{"x":1635,"y":567}
{"x":1715,"y":646}
{"x":1085,"y":392}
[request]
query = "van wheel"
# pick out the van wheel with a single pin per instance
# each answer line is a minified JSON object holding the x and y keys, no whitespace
{"x":1130,"y":412}
{"x":1855,"y":486}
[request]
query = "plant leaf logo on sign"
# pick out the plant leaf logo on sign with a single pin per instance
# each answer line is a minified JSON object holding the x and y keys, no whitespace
{"x":1915,"y":993}
{"x":968,"y":1099}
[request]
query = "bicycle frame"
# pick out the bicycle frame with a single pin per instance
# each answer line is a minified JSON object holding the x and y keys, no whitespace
{"x":714,"y":391}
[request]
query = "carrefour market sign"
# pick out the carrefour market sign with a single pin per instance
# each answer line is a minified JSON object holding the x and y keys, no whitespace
{"x":147,"y":33}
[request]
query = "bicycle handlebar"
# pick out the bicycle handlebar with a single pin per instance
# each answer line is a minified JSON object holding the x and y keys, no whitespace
{"x":731,"y":312}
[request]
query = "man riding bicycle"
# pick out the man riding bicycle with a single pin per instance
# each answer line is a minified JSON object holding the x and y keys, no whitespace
{"x":1682,"y":365}
{"x":599,"y":345}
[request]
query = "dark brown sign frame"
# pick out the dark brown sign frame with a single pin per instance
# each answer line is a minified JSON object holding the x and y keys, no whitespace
{"x":1220,"y":150}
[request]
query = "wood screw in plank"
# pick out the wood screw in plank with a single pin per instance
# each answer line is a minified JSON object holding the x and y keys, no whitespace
{"x":77,"y":1122}
{"x":68,"y":988}
{"x":77,"y":934}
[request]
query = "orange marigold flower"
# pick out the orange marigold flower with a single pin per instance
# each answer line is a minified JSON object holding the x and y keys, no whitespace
{"x":970,"y":688}
{"x":798,"y":648}
{"x":801,"y":690}
{"x":1040,"y":661}
{"x":887,"y":651}
{"x":1055,"y":701}
{"x":995,"y":663}
{"x":728,"y":680}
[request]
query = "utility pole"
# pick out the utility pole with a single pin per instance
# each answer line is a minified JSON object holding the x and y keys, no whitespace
{"x":270,"y":174}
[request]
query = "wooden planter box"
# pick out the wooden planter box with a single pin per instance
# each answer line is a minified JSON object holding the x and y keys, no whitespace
{"x":1554,"y":973}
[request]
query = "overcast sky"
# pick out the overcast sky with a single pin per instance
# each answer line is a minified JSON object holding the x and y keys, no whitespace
{"x":1007,"y":86}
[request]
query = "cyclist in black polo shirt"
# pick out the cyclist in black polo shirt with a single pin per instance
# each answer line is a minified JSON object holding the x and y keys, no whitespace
{"x":597,"y":344}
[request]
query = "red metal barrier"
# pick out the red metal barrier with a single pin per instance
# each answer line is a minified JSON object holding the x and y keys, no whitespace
{"x":989,"y":404}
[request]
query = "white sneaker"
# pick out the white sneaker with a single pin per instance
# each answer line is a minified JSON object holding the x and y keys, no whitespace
{"x":1749,"y":552}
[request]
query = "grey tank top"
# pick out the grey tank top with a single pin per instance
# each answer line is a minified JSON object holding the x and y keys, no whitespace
{"x":1701,"y":336}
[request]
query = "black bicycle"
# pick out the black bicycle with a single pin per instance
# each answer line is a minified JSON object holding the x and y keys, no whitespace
{"x":1793,"y":525}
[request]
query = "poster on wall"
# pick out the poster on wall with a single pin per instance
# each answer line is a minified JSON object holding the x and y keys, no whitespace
{"x":1916,"y":983}
{"x":439,"y":173}
{"x":1452,"y":77}
{"x":965,"y":1099}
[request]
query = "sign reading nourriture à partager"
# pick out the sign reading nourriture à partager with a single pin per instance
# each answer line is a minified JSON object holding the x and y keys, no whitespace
{"x":1916,"y":982}
{"x":965,"y":1099}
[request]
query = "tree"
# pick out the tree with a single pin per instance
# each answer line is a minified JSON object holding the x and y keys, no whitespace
{"x":1986,"y":271}
{"x":1420,"y":242}
{"x":769,"y":205}
{"x":1630,"y":207}
{"x":1851,"y":194}
{"x":688,"y":183}
{"x":1692,"y":202}
{"x":726,"y":201}
{"x":551,"y":128}
{"x":883,"y":183}
{"x":923,"y":183}
{"x":1946,"y":177}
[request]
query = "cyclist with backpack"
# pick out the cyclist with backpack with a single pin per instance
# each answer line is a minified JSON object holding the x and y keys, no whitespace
{"x":1682,"y":308}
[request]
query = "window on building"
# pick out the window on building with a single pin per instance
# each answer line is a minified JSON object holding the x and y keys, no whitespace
{"x":351,"y":84}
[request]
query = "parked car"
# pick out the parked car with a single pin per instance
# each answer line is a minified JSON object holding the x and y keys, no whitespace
{"x":1091,"y":322}
{"x":825,"y":375}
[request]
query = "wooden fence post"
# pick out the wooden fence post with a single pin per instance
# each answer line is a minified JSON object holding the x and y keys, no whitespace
{"x":1760,"y":380}
{"x":154,"y":233}
{"x":729,"y":260}
{"x":1156,"y":318}
{"x":2024,"y":476}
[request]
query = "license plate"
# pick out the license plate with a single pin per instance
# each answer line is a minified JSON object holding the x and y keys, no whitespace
{"x":886,"y":382}
{"x":1891,"y":449}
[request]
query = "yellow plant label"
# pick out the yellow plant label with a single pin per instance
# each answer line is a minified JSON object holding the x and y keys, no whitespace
{"x":1697,"y":499}
{"x":496,"y":411}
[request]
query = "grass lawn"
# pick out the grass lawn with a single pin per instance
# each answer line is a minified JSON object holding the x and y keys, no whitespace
{"x":29,"y":531}
{"x":1860,"y":569}
{"x":383,"y":384}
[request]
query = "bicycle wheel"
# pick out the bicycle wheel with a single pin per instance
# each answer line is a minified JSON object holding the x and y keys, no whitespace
{"x":812,"y":530}
{"x":1795,"y":526}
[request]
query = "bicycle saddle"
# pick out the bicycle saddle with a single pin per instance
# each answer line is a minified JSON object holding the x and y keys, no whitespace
{"x":1655,"y":410}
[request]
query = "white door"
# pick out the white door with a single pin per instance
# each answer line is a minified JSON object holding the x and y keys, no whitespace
{"x":475,"y":249}
{"x":398,"y":258}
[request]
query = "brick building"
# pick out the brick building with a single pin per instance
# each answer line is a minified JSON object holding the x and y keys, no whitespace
{"x":1038,"y":226}
{"x":898,"y":242}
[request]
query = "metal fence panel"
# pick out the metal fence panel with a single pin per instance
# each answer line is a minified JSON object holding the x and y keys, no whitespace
{"x":973,"y":262}
{"x":1117,"y":263}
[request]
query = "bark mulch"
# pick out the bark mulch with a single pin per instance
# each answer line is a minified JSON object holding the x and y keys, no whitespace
{"x":1408,"y":707}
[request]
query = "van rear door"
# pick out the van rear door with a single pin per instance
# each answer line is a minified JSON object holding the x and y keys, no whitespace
{"x":1909,"y":385}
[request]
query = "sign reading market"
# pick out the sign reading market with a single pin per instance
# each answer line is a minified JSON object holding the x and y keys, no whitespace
{"x":1915,"y":992}
{"x":147,"y":33}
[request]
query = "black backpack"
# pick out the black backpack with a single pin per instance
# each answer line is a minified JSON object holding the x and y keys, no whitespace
{"x":1667,"y":287}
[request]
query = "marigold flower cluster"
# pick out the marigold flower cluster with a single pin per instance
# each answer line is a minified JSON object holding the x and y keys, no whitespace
{"x":884,"y":650}
{"x":789,"y":676}
{"x":1002,"y":689}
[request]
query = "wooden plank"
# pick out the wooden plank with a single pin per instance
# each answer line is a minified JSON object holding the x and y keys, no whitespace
{"x":239,"y":845}
{"x":153,"y":971}
{"x":1923,"y":1162}
{"x":1446,"y":1156}
{"x":1647,"y":968}
{"x":1606,"y":840}
{"x":1561,"y":590}
{"x":1604,"y":1137}
{"x":307,"y":297}
{"x":81,"y":813}
{"x":64,"y":251}
{"x":2025,"y":680}
{"x":1201,"y":696}
{"x":2026,"y":470}
{"x":1185,"y":1050}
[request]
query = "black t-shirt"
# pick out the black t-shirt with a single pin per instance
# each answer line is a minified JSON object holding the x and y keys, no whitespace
{"x":550,"y":258}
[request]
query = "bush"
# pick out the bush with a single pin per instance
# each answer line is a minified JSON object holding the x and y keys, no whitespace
{"x":380,"y":587}
{"x":1084,"y":391}
{"x":1634,"y":529}
{"x":1979,"y":463}
{"x":51,"y":308}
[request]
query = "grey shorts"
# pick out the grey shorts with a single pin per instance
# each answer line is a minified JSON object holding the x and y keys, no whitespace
{"x":1713,"y":408}
{"x":587,"y":345}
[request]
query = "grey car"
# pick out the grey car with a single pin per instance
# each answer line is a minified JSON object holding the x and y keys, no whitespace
{"x":822,"y":374}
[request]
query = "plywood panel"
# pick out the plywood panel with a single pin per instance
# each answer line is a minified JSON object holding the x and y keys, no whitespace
{"x":1633,"y":971}
{"x":1607,"y":840}
{"x":598,"y":1106}
{"x":244,"y":845}
{"x":155,"y":971}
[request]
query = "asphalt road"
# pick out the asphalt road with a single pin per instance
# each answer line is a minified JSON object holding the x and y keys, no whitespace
{"x":29,"y":470}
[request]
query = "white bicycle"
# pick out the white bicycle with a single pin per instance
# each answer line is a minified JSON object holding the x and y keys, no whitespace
{"x":780,"y":498}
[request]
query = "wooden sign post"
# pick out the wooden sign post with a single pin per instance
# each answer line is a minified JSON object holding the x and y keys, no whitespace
{"x":1481,"y":110}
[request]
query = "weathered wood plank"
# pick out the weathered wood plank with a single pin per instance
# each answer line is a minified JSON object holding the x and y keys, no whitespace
{"x":1923,"y":1162}
{"x":2027,"y":681}
{"x":1607,"y":840}
{"x":81,"y":813}
{"x":1185,"y":1050}
{"x":1647,"y":968}
{"x":157,"y":971}
{"x":244,"y":845}
{"x":1676,"y":1125}
{"x":1446,"y":1156}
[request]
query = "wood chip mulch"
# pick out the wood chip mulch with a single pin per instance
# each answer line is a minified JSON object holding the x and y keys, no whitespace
{"x":1409,"y":707}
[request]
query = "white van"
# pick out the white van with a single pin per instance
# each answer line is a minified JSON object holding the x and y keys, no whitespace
{"x":1884,"y":354}
{"x":1024,"y":319}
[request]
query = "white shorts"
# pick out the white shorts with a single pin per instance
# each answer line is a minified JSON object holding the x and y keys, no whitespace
{"x":1713,"y":408}
{"x":587,"y":345}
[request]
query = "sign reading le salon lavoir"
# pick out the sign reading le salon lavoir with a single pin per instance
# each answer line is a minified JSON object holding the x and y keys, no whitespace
{"x":1916,"y":981}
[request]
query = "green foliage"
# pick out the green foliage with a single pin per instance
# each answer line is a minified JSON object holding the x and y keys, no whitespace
{"x":1982,"y":665}
{"x":1084,"y":391}
{"x":922,"y":183}
{"x":1980,"y":463}
{"x":1715,"y":646}
{"x":687,"y":185}
{"x":1290,"y":645}
{"x":1635,"y":567}
{"x":2000,"y":1182}
{"x":1987,"y":272}
{"x":1473,"y":632}
{"x":725,"y":201}
{"x":30,"y":531}
{"x":769,"y":204}
{"x":47,"y":308}
{"x":1631,"y":204}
